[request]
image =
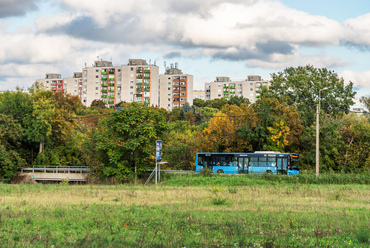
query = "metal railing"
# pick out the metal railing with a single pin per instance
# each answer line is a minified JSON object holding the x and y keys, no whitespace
{"x":57,"y":169}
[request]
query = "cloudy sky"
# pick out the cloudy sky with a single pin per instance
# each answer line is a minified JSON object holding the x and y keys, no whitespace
{"x":208,"y":38}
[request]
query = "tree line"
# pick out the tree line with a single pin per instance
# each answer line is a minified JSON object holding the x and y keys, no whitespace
{"x":41,"y":127}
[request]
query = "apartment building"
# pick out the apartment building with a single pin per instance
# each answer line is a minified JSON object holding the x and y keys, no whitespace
{"x":137,"y":81}
{"x":53,"y":81}
{"x":199,"y":94}
{"x":176,"y":88}
{"x":223,"y":87}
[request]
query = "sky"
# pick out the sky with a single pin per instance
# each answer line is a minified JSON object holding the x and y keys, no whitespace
{"x":207,"y":38}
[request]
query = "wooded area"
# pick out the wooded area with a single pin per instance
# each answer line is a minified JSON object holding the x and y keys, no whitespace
{"x":45,"y":128}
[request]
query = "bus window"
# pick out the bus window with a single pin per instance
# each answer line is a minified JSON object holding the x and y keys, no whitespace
{"x":253,"y":162}
{"x":271,"y":162}
{"x":285,"y":163}
{"x":234,"y":161}
{"x":262,"y":162}
{"x":200,"y":160}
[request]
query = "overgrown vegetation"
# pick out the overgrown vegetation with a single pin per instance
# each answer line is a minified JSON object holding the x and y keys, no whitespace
{"x":252,"y":215}
{"x":41,"y":127}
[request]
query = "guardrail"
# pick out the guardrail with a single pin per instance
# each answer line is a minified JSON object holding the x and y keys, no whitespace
{"x":174,"y":171}
{"x":58,"y":169}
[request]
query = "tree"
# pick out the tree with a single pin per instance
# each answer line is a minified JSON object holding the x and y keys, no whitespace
{"x":127,"y":138}
{"x":277,"y":126}
{"x":236,"y":100}
{"x":10,"y":143}
{"x":180,"y":145}
{"x":222,"y":135}
{"x":300,"y":87}
{"x":98,"y":104}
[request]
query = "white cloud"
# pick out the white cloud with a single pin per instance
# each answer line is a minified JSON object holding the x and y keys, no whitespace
{"x":358,"y":30}
{"x":359,"y":79}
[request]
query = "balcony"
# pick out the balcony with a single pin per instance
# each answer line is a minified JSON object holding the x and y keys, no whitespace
{"x":258,"y":91}
{"x":105,"y":91}
{"x":139,"y":71}
{"x":139,"y":83}
{"x":139,"y":77}
{"x":111,"y":102}
{"x":146,"y":89}
{"x":226,"y":91}
{"x":226,"y":87}
{"x":111,"y":71}
{"x":146,"y":101}
{"x":146,"y":71}
{"x":111,"y":96}
{"x":104,"y":85}
{"x":111,"y":84}
{"x":111,"y":90}
{"x":139,"y":94}
{"x":232,"y":87}
{"x":103,"y":96}
{"x":103,"y":78}
{"x":146,"y":83}
{"x":146,"y":77}
{"x":226,"y":97}
{"x":140,"y":101}
{"x":104,"y":73}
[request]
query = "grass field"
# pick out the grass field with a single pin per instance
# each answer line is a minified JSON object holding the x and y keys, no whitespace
{"x":181,"y":212}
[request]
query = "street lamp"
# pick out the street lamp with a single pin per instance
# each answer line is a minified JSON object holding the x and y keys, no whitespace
{"x":318,"y":134}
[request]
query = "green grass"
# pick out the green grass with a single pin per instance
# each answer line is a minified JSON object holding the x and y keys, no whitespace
{"x":241,"y":180}
{"x":261,"y":213}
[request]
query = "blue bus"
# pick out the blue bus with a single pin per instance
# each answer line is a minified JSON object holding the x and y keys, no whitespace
{"x":249,"y":163}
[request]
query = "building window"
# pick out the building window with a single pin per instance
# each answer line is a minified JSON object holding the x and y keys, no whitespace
{"x":219,"y":85}
{"x":131,"y":93}
{"x":169,"y":88}
{"x":251,"y":84}
{"x":219,"y":95}
{"x":169,"y":78}
{"x":75,"y":85}
{"x":96,"y":76}
{"x":97,"y":70}
{"x":75,"y":90}
{"x":118,"y":94}
{"x":169,"y":99}
{"x":132,"y":68}
{"x":96,"y":94}
{"x":251,"y":89}
{"x":96,"y":82}
{"x":239,"y":84}
{"x":131,"y":87}
{"x":119,"y":70}
{"x":169,"y":83}
{"x":96,"y":88}
{"x":118,"y":88}
{"x":131,"y":81}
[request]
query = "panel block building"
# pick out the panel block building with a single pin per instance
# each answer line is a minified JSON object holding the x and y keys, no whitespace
{"x":135,"y":82}
{"x":176,"y":88}
{"x":223,"y":87}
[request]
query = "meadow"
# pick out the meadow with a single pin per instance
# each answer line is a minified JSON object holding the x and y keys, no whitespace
{"x":188,"y":211}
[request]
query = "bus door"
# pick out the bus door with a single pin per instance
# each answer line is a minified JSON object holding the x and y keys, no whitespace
{"x":243,"y":165}
{"x":208,"y":162}
{"x":282,"y":164}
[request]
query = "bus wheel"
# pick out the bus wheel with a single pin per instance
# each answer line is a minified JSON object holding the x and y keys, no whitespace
{"x":220,"y":171}
{"x":268,"y":172}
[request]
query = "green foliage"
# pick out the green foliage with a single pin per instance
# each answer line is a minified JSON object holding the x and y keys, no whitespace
{"x":238,"y":100}
{"x":10,"y":143}
{"x":180,"y":145}
{"x":126,"y":140}
{"x":300,"y":87}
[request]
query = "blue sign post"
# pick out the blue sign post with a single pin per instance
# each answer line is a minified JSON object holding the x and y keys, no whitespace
{"x":158,"y":155}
